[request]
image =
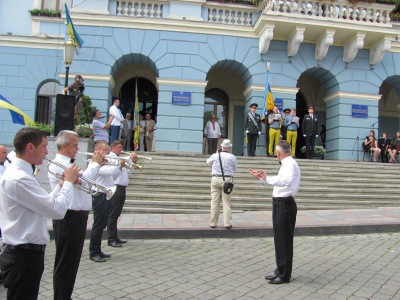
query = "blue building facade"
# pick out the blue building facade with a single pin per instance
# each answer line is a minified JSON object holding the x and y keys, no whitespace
{"x":216,"y":55}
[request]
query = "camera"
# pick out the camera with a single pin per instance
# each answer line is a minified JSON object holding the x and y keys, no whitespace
{"x":81,"y":88}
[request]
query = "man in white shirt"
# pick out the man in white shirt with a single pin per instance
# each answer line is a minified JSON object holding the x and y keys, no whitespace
{"x":24,"y":207}
{"x":70,"y":232}
{"x":229,"y":163}
{"x":286,"y":185}
{"x":3,"y":157}
{"x":116,"y":120}
{"x":105,"y":177}
{"x":212,"y":132}
{"x":117,"y":201}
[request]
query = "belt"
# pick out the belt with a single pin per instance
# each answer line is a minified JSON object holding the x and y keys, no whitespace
{"x":289,"y":198}
{"x":292,"y":130}
{"x":274,"y":128}
{"x":78,"y":212}
{"x":221,"y":176}
{"x":32,"y":247}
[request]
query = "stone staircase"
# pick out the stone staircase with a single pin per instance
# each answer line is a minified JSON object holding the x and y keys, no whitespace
{"x":180,"y":183}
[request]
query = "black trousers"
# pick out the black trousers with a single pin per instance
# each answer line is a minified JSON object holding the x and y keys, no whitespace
{"x":251,"y":144}
{"x":284,"y":220}
{"x":115,"y":209}
{"x":69,"y":236}
{"x":22,"y":271}
{"x":100,"y":216}
{"x":310,"y":143}
{"x":212,"y":145}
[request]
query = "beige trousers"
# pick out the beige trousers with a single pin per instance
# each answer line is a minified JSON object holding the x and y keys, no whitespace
{"x":217,"y":194}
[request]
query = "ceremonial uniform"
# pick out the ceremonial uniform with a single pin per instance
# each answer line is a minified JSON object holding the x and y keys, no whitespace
{"x":309,"y":127}
{"x":252,"y":125}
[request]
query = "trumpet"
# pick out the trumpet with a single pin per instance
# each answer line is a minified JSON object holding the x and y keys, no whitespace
{"x":94,"y":190}
{"x":139,"y":156}
{"x":115,"y":161}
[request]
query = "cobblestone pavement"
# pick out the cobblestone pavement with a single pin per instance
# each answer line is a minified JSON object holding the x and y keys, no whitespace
{"x":325,"y":267}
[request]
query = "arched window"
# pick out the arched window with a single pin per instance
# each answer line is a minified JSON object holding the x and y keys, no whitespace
{"x":46,"y":102}
{"x":216,"y":103}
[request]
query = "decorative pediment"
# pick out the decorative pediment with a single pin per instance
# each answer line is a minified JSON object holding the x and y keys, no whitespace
{"x":323,"y":43}
{"x":351,"y":47}
{"x":295,"y":40}
{"x":377,"y":51}
{"x":265,"y":39}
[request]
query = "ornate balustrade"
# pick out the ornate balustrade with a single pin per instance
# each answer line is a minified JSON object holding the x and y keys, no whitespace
{"x":371,"y":13}
{"x":145,"y":9}
{"x":234,"y":14}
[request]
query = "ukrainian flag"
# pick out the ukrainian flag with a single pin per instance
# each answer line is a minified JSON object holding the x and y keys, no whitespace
{"x":17,"y":115}
{"x":71,"y":30}
{"x":269,"y":102}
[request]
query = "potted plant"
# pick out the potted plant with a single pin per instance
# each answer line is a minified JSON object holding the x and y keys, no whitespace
{"x":47,"y":128}
{"x":318,"y":151}
{"x":45,"y":12}
{"x":84,"y":130}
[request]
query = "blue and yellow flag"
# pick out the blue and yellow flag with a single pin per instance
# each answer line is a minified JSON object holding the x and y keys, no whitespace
{"x":268,"y":98}
{"x":71,"y":30}
{"x":136,"y":121}
{"x":17,"y":115}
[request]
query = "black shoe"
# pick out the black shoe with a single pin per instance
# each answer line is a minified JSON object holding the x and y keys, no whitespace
{"x":97,"y":258}
{"x":121,"y":241}
{"x":114,"y":244}
{"x":228,"y":227}
{"x":103,"y":255}
{"x":277,"y":280}
{"x":270,"y":277}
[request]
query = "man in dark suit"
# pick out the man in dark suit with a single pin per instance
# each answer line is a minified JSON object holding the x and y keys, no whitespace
{"x":310,"y":126}
{"x":252,"y":125}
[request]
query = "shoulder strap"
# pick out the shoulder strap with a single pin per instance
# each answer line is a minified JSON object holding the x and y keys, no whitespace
{"x":254,"y":121}
{"x":222,"y":169}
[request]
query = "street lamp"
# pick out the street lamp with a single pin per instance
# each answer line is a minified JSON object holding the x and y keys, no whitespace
{"x":69,"y":51}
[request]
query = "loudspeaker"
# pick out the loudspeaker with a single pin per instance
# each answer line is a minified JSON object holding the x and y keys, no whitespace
{"x":65,"y":106}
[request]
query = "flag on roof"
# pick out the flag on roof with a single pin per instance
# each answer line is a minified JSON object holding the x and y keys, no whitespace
{"x":71,"y":29}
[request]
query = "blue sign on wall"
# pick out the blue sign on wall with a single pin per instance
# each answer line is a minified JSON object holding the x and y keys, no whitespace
{"x":181,"y":98}
{"x":279,"y":103}
{"x":359,"y":111}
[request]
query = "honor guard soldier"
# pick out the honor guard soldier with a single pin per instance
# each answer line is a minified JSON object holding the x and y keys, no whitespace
{"x":309,"y":127}
{"x":252,"y":124}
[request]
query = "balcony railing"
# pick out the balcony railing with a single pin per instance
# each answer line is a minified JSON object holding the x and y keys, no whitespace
{"x":342,"y":10}
{"x":228,"y":13}
{"x":145,"y":9}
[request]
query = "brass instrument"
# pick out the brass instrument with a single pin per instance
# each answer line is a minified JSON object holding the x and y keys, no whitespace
{"x":111,"y":160}
{"x":94,"y":190}
{"x":139,"y":156}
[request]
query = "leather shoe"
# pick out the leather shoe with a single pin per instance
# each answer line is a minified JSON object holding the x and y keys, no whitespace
{"x":103,"y":255}
{"x":277,"y":280}
{"x":97,"y":258}
{"x":114,"y":244}
{"x":228,"y":227}
{"x":121,"y":241}
{"x":270,"y":277}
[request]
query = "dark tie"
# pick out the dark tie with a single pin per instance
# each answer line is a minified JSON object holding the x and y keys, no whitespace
{"x":1,"y":163}
{"x":72,"y":160}
{"x":33,"y":168}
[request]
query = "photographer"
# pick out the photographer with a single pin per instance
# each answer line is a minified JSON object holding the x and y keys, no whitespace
{"x":228,"y":162}
{"x":76,"y":89}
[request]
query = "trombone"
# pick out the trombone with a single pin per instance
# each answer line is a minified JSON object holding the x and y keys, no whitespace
{"x":94,"y":190}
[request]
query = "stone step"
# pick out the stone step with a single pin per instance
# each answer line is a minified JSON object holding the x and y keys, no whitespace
{"x":180,"y":183}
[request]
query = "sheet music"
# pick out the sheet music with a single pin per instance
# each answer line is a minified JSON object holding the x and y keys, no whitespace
{"x":295,"y":119}
{"x":277,"y":116}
